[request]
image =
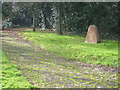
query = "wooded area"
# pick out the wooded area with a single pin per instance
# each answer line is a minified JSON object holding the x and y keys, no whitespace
{"x":63,"y":17}
{"x":59,"y":45}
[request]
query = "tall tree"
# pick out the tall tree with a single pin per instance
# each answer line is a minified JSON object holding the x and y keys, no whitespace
{"x":59,"y":15}
{"x":7,"y":12}
{"x":34,"y":9}
{"x":71,"y":16}
{"x":0,"y":15}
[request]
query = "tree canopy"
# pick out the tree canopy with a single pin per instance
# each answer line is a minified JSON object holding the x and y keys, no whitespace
{"x":64,"y":17}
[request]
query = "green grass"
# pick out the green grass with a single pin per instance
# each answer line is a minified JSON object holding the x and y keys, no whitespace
{"x":74,"y":48}
{"x":11,"y":76}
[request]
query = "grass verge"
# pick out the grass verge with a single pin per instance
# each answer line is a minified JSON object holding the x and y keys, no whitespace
{"x":74,"y":48}
{"x":11,"y":76}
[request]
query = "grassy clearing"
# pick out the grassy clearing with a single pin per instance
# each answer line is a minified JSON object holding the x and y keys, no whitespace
{"x":11,"y":76}
{"x":74,"y":48}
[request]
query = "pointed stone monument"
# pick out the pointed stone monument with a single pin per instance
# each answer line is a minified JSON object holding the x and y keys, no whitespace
{"x":92,"y":35}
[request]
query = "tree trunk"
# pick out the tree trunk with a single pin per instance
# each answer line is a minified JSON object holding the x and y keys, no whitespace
{"x":33,"y":22}
{"x":59,"y":30}
{"x":46,"y":22}
{"x":3,"y":27}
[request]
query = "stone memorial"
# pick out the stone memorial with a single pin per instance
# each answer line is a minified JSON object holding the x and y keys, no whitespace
{"x":92,"y":35}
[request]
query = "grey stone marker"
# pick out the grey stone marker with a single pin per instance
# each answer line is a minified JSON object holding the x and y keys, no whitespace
{"x":92,"y":35}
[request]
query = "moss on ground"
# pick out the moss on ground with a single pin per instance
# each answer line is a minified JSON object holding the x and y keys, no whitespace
{"x":11,"y":76}
{"x":74,"y":48}
{"x":45,"y":70}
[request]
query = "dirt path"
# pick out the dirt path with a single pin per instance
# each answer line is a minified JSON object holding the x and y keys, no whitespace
{"x":45,"y":70}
